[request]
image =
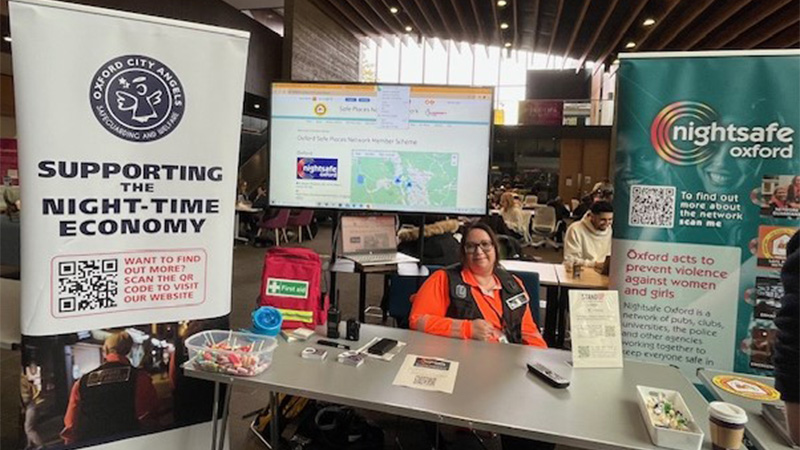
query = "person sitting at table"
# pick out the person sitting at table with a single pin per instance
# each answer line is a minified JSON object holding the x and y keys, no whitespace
{"x":588,"y":241}
{"x":786,"y":356}
{"x":511,"y":210}
{"x":476,"y":299}
{"x":602,"y":191}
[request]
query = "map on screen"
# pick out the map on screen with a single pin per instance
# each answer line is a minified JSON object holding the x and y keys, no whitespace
{"x":380,"y":147}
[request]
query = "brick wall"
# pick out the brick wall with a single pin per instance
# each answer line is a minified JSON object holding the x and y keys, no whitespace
{"x":321,"y":50}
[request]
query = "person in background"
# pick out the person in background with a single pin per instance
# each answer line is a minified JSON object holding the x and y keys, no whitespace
{"x":779,"y":199}
{"x":588,"y":241}
{"x":241,"y":192}
{"x":31,"y":397}
{"x":259,"y":198}
{"x":441,"y":246}
{"x":116,"y":398}
{"x":562,"y":214}
{"x":786,"y":356}
{"x":603,"y":191}
{"x":511,"y":210}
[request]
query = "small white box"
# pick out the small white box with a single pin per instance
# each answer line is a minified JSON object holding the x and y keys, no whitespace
{"x":665,"y":437}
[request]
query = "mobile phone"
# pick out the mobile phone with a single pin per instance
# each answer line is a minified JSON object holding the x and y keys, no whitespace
{"x":549,"y":377}
{"x":381,"y":347}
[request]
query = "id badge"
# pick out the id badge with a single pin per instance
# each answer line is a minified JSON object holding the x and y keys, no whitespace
{"x":517,"y":301}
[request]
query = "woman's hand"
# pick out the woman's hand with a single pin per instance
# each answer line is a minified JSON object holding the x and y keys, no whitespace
{"x":484,"y":331}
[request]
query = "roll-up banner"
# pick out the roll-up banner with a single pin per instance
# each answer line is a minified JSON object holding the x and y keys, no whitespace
{"x":128,"y":129}
{"x":708,"y":194}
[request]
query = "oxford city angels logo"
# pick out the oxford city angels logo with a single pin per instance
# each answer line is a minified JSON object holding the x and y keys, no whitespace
{"x":137,"y":98}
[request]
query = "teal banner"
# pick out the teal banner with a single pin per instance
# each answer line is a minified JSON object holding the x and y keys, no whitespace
{"x":707,"y":177}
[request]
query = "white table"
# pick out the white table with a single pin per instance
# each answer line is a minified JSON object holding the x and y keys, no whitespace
{"x":493,"y":391}
{"x":242,"y":208}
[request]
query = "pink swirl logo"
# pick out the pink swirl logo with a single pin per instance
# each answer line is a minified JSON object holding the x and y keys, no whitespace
{"x":670,"y":147}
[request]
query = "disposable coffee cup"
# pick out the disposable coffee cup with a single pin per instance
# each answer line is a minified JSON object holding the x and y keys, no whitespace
{"x":727,"y":425}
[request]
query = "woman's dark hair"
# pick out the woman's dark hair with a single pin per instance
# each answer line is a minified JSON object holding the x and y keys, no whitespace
{"x":492,"y":236}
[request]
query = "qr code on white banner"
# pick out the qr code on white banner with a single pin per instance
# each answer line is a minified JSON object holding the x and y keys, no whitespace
{"x":652,"y":206}
{"x":87,"y":285}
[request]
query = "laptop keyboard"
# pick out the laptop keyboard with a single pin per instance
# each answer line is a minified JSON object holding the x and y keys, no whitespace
{"x":375,"y":257}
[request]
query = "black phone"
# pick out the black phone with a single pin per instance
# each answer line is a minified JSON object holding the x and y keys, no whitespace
{"x":548,"y":376}
{"x":381,"y":347}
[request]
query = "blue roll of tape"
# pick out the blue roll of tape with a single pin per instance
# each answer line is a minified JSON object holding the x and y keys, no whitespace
{"x":267,"y":321}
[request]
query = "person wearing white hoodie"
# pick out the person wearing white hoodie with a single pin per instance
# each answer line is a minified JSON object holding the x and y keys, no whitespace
{"x":588,"y":241}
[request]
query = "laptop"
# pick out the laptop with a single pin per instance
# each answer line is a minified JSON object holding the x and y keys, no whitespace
{"x":371,"y":241}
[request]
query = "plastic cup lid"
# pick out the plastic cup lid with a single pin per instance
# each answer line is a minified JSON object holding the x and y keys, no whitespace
{"x":266,"y":318}
{"x":727,"y":412}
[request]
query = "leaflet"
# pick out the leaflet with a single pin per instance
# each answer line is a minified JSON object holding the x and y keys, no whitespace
{"x":595,"y":321}
{"x":427,"y":373}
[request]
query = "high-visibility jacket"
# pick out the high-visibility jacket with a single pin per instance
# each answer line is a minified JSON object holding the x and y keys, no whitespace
{"x":431,"y":309}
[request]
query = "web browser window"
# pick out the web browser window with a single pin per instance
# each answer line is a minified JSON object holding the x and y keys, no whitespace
{"x":380,"y":147}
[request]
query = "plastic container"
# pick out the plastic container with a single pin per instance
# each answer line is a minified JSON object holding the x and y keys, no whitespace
{"x":231,"y":352}
{"x":267,"y":321}
{"x":666,"y":437}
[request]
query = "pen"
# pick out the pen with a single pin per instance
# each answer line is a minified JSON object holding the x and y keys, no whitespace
{"x":333,"y":344}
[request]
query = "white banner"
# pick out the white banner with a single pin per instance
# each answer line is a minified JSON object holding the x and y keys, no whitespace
{"x":129,"y":131}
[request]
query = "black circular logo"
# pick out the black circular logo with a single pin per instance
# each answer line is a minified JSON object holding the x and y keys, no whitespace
{"x":137,"y":98}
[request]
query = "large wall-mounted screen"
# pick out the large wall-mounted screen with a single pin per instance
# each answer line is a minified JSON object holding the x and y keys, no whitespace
{"x":421,"y":149}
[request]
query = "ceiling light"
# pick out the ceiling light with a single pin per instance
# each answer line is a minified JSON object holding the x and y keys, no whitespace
{"x":503,"y":26}
{"x":7,"y":38}
{"x":649,"y":22}
{"x":256,"y":106}
{"x":393,"y":10}
{"x":508,"y":44}
{"x":501,"y":3}
{"x":408,"y":28}
{"x":630,"y":44}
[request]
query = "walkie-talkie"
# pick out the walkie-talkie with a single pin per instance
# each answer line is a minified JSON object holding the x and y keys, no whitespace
{"x":333,"y":323}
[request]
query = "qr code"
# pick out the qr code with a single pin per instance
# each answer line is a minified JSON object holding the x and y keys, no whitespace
{"x":87,"y":285}
{"x":421,"y":380}
{"x":584,"y":351}
{"x":652,"y":206}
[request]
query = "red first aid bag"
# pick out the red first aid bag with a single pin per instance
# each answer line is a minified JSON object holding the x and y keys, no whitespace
{"x":291,"y":283}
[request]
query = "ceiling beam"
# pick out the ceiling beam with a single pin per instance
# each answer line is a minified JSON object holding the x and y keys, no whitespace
{"x":784,"y":39}
{"x":596,"y":34}
{"x":659,"y":21}
{"x":391,"y":20}
{"x":415,"y":20}
{"x":689,"y":40}
{"x":747,"y":19}
{"x":575,"y":32}
{"x":692,"y":12}
{"x":464,"y":33}
{"x":478,"y":21}
{"x":428,"y":20}
{"x":792,"y":27}
{"x":554,"y":32}
{"x":497,"y":37}
{"x":342,"y":19}
{"x":774,"y":24}
{"x":535,"y":24}
{"x":378,"y":25}
{"x":515,"y":42}
{"x":443,"y":18}
{"x":621,"y":31}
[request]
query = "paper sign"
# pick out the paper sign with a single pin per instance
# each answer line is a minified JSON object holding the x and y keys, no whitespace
{"x":427,"y":373}
{"x":596,"y":338}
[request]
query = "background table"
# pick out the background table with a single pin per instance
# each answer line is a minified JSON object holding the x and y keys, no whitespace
{"x":757,"y":429}
{"x":493,"y":391}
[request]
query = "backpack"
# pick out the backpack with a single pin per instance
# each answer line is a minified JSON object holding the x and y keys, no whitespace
{"x":291,"y":283}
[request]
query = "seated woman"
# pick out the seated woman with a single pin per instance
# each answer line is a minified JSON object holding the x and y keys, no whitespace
{"x":477,"y":299}
{"x":511,"y":210}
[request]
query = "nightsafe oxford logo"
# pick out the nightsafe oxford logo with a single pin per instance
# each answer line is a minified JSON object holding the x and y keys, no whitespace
{"x":137,"y":98}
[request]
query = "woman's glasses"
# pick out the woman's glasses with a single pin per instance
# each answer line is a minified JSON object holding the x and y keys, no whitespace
{"x":472,"y":247}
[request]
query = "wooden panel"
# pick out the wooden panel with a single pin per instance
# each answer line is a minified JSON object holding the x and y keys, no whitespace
{"x":595,"y":162}
{"x":6,"y":95}
{"x":571,"y":162}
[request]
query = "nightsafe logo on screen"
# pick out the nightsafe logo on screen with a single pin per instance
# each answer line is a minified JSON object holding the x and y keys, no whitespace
{"x":317,"y":169}
{"x":137,"y":98}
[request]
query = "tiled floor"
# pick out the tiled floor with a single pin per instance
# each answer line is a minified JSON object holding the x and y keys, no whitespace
{"x":247,"y":266}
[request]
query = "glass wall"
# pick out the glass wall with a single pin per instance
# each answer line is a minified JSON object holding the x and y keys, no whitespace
{"x":435,"y":61}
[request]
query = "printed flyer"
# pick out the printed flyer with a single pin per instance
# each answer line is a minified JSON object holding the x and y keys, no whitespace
{"x":707,"y":190}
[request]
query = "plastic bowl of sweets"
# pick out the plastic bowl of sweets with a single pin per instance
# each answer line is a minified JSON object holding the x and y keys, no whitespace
{"x":231,"y":352}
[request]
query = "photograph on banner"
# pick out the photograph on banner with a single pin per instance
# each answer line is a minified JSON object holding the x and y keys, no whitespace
{"x":107,"y":384}
{"x":779,"y":196}
{"x":702,"y":205}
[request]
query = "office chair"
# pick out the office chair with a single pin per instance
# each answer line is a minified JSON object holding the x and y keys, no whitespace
{"x":544,"y":226}
{"x":531,"y":201}
{"x":302,"y":220}
{"x":278,"y":224}
{"x":400,"y":289}
{"x":531,"y":282}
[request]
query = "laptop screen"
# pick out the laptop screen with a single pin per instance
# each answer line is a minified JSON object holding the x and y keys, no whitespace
{"x":368,"y":234}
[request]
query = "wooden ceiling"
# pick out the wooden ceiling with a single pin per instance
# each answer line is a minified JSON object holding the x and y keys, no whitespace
{"x":585,"y":30}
